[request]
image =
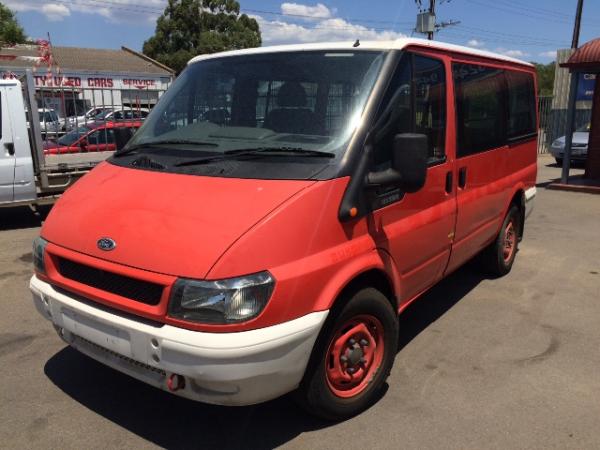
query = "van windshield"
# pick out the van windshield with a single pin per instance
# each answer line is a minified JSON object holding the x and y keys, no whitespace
{"x":309,"y":100}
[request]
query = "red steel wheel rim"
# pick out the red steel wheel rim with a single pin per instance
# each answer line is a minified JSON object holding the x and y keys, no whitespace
{"x":354,"y":355}
{"x":510,"y":241}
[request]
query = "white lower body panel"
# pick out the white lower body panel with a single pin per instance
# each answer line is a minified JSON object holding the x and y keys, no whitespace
{"x":529,"y":200}
{"x":221,"y":368}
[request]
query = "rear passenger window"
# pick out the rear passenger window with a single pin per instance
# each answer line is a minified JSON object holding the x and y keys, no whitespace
{"x":480,"y":108}
{"x":521,"y":105}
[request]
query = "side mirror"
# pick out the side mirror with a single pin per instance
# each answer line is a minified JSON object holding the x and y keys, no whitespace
{"x":122,"y":136}
{"x":409,"y":164}
{"x":83,"y":144}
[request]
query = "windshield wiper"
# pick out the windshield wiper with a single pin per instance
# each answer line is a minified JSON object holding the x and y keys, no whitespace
{"x":134,"y":148}
{"x":263,"y":151}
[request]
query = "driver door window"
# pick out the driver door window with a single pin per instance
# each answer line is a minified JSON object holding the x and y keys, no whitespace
{"x":420,"y":83}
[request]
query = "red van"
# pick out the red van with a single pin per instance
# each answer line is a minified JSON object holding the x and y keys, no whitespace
{"x":280,"y":207}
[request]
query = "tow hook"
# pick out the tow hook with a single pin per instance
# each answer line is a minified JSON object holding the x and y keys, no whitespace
{"x":175,"y":382}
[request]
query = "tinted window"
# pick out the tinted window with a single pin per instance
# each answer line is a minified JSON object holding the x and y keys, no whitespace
{"x":103,"y":136}
{"x":480,"y":108}
{"x":419,"y":86}
{"x":430,"y":103}
{"x":73,"y":136}
{"x":521,"y":104}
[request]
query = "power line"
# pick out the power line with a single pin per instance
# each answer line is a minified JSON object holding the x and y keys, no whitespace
{"x":493,"y":36}
{"x":510,"y":10}
{"x":529,"y":12}
{"x":454,"y":33}
{"x":567,"y":15}
{"x":518,"y":37}
{"x":304,"y":16}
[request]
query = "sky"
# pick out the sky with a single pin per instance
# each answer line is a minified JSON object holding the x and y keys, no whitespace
{"x":526,"y":29}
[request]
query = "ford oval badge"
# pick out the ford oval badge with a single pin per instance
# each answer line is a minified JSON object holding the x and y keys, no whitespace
{"x":106,"y":244}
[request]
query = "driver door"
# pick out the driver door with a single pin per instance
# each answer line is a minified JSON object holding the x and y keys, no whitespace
{"x":417,"y":229}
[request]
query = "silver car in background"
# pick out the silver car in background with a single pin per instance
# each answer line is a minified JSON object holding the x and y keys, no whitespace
{"x":579,"y":147}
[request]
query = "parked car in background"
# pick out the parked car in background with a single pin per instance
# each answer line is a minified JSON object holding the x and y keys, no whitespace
{"x":90,"y":115}
{"x":97,"y":137}
{"x":579,"y":147}
{"x":50,"y":123}
{"x":122,"y":114}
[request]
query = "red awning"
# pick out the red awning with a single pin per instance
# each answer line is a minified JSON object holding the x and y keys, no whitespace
{"x":586,"y":57}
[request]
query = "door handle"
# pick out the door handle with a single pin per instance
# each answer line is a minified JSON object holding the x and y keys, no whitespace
{"x":10,"y":147}
{"x":462,"y":177}
{"x":449,"y":182}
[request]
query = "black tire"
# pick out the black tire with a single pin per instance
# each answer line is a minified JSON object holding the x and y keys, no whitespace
{"x":494,"y":258}
{"x":316,"y":393}
{"x":559,"y":161}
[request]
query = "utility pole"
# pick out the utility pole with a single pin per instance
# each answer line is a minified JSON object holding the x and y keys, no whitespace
{"x":426,"y":21}
{"x":576,"y":28}
{"x":572,"y":101}
{"x":432,"y":12}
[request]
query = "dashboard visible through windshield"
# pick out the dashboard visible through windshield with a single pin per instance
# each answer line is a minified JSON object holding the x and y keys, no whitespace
{"x":258,"y":115}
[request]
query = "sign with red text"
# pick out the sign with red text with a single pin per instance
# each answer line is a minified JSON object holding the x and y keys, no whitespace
{"x":91,"y":82}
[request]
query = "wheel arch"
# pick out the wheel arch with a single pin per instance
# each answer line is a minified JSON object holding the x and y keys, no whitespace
{"x":518,"y":200}
{"x":376,"y":278}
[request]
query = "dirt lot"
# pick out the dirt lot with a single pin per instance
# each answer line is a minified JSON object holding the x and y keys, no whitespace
{"x":506,"y":363}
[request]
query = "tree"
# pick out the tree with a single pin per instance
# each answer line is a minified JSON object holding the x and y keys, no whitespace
{"x":194,"y":27}
{"x":545,"y":77}
{"x":10,"y":30}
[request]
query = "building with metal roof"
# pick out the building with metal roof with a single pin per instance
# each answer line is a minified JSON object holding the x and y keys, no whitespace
{"x":73,"y":79}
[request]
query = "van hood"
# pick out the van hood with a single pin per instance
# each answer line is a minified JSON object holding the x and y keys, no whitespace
{"x":167,"y":223}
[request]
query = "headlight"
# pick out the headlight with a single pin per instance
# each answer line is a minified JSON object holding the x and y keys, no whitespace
{"x":223,"y":301}
{"x":558,"y":144}
{"x":39,"y":249}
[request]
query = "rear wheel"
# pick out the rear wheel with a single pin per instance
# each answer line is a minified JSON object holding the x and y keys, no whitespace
{"x":352,"y":358}
{"x":499,"y":256}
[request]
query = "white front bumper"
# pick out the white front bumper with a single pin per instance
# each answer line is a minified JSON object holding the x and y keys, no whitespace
{"x":220,"y":368}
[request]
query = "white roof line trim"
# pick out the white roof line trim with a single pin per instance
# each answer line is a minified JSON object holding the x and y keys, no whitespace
{"x":366,"y":45}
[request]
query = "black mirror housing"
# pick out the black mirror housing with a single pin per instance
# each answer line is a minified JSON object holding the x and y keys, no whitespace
{"x":409,"y":163}
{"x":409,"y":159}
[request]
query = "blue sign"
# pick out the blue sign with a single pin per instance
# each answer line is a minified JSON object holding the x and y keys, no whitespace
{"x":585,"y":86}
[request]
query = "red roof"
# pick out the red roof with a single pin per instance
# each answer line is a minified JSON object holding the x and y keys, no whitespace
{"x":585,"y":57}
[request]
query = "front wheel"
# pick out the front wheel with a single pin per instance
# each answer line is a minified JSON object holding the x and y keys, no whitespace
{"x":559,"y":161}
{"x":352,"y":358}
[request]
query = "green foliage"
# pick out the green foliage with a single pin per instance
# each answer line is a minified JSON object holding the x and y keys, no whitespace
{"x":545,"y":75}
{"x":194,"y":27}
{"x":10,"y":30}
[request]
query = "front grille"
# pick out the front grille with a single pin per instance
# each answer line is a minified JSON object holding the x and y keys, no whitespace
{"x":138,"y":290}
